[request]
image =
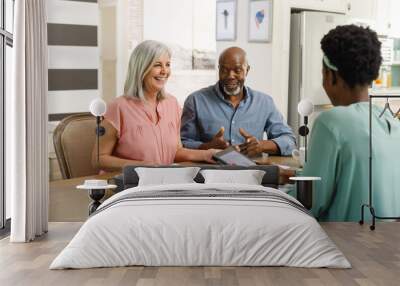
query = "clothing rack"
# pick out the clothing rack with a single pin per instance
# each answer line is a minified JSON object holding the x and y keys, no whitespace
{"x":370,"y":203}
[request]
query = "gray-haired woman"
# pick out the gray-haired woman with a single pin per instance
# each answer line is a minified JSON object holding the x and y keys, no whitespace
{"x":143,"y":125}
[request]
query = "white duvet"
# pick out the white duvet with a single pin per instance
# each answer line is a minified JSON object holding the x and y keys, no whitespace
{"x":200,"y":231}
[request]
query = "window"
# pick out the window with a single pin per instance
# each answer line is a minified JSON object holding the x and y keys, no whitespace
{"x":6,"y":44}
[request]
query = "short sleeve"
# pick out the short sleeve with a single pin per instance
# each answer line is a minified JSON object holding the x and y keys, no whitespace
{"x":113,"y":115}
{"x":278,"y":131}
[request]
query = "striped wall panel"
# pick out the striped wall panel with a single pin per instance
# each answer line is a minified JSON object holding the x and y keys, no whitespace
{"x":72,"y":12}
{"x":71,"y":35}
{"x":73,"y":56}
{"x":69,"y":57}
{"x":72,"y":79}
{"x":57,"y":99}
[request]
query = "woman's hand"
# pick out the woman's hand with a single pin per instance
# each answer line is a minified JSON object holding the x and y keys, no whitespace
{"x":208,"y":155}
{"x":284,"y":175}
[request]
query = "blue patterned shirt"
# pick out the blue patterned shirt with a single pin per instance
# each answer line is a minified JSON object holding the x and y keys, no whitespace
{"x":206,"y":111}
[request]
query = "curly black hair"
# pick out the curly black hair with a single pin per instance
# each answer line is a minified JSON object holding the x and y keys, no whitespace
{"x":355,"y":51}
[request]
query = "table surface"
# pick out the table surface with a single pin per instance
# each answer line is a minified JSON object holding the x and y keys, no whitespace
{"x":70,"y":204}
{"x":278,"y":160}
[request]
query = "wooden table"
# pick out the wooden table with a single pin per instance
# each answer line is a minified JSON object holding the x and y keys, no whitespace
{"x":278,"y":160}
{"x":270,"y":160}
{"x":70,"y":204}
{"x":67,"y":203}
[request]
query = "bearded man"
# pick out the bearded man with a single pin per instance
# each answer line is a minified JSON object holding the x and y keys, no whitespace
{"x":230,"y":113}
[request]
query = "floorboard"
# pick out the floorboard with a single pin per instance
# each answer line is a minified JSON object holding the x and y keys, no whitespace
{"x":375,"y":257}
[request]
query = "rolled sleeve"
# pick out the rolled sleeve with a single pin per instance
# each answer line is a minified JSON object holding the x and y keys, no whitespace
{"x":286,"y":144}
{"x":191,"y":144}
{"x":279,"y":132}
{"x":189,"y":130}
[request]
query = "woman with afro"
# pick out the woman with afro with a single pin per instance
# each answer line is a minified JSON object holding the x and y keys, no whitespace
{"x":339,"y":144}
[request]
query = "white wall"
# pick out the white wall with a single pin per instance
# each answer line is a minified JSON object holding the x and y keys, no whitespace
{"x":129,"y":32}
{"x":169,"y":21}
{"x":187,"y":23}
{"x":270,"y":61}
{"x":204,"y":25}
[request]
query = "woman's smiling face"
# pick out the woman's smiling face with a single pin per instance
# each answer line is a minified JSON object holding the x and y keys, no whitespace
{"x":158,"y":75}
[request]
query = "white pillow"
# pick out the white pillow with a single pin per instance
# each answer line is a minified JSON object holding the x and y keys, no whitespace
{"x":249,"y":177}
{"x":165,"y":176}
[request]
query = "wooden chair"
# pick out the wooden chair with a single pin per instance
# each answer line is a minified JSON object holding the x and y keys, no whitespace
{"x":74,"y":139}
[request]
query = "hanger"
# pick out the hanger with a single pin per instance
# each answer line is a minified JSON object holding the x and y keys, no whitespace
{"x":387,"y":107}
{"x":397,"y":115}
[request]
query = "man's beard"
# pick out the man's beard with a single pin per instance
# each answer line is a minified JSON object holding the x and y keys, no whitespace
{"x":235,"y":92}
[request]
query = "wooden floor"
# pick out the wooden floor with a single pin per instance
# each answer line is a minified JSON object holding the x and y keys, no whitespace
{"x":375,"y":257}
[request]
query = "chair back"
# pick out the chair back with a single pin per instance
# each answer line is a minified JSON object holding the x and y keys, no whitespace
{"x":74,"y":139}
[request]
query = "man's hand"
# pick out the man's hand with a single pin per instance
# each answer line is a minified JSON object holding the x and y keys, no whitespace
{"x":217,"y":142}
{"x":252,"y":147}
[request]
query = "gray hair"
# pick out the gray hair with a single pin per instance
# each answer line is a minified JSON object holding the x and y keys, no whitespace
{"x":142,"y":59}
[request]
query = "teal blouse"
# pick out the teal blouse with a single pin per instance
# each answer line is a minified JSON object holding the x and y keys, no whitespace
{"x":339,"y":154}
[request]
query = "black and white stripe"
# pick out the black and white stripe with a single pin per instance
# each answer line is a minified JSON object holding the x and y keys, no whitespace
{"x":73,"y":56}
{"x":207,"y":194}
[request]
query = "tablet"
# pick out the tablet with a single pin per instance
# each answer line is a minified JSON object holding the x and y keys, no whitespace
{"x":231,"y":156}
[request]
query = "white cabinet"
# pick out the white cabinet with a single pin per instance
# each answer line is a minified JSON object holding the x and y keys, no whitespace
{"x":332,"y":6}
{"x":338,"y":6}
{"x":382,"y":16}
{"x":387,"y":17}
{"x":394,"y":25}
{"x":361,"y":9}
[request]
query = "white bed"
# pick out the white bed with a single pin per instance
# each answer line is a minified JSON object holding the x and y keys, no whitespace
{"x":250,"y":225}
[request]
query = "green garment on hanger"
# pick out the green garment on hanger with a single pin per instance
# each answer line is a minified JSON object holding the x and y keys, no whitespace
{"x":339,"y":154}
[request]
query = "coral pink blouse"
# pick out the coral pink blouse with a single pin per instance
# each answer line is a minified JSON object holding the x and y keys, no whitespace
{"x":138,"y":137}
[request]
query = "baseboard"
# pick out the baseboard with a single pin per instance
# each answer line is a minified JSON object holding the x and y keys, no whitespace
{"x":5,"y":231}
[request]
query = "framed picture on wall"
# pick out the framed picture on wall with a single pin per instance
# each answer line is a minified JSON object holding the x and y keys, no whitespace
{"x":226,"y":20}
{"x":260,"y":21}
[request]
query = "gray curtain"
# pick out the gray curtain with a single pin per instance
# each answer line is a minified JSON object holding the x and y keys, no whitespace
{"x":26,"y":117}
